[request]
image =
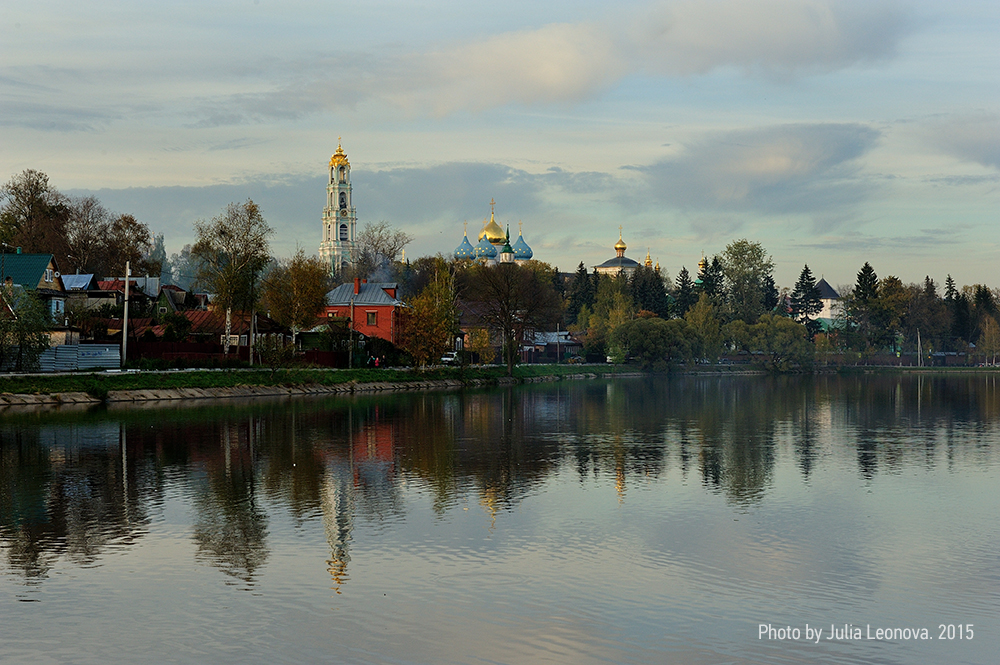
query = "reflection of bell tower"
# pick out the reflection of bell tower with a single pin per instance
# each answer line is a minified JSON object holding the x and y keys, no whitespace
{"x":338,"y":518}
{"x":340,"y":218}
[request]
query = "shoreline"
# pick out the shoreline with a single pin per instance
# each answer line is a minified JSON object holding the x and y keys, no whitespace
{"x":92,"y":389}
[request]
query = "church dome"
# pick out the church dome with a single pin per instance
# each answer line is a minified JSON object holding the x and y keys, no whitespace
{"x":620,"y":245}
{"x":485,"y":249}
{"x":492,"y":232}
{"x":339,"y":158}
{"x":521,"y":250}
{"x":465,"y":250}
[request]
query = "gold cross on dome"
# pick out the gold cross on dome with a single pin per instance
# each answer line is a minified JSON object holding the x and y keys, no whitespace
{"x":492,"y":203}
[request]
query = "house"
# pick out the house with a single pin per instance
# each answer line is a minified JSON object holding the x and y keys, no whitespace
{"x":38,"y":273}
{"x":372,"y":308}
{"x":175,"y":299}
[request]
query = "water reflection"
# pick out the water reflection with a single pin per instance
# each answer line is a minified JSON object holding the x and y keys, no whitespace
{"x":77,"y":486}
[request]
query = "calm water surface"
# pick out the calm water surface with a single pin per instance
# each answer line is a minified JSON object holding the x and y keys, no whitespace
{"x":629,"y":521}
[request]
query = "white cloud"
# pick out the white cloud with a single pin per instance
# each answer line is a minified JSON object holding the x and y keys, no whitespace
{"x":971,"y":138}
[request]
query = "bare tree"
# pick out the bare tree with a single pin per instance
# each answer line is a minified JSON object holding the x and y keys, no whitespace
{"x":233,"y":248}
{"x":86,"y":232}
{"x":378,"y":245}
{"x":513,"y":301}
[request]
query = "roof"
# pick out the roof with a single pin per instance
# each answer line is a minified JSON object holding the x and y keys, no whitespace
{"x":619,"y":262}
{"x":521,"y":249}
{"x":369,"y":293}
{"x":826,"y":292}
{"x":79,"y":282}
{"x":464,"y":250}
{"x":25,"y":269}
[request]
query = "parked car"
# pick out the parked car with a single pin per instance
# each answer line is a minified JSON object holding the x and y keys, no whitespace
{"x":450,"y":358}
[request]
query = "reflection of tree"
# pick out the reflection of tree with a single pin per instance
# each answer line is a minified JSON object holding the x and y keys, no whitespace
{"x":69,"y":491}
{"x":230,"y":528}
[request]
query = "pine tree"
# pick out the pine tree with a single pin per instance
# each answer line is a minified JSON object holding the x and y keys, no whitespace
{"x":867,"y":286}
{"x":684,"y":294}
{"x":806,"y":302}
{"x":950,"y":292}
{"x":581,"y":293}
{"x":648,"y":292}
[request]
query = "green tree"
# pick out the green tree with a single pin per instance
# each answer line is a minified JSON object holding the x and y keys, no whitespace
{"x":655,"y":343}
{"x":805,"y":301}
{"x":685,"y":295}
{"x":781,"y":343}
{"x":707,"y":327}
{"x":232,"y":249}
{"x":293,"y":292}
{"x":582,"y":292}
{"x":711,"y":279}
{"x":24,"y":325}
{"x":613,"y":306}
{"x":746,"y":266}
{"x":648,"y":292}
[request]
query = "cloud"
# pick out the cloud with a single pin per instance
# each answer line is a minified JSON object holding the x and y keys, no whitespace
{"x":786,"y":169}
{"x":971,"y":138}
{"x":566,"y":63}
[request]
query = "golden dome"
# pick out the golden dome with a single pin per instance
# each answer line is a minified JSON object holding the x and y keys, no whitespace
{"x":339,"y":158}
{"x":621,"y":243}
{"x":494,"y":234}
{"x":649,"y":261}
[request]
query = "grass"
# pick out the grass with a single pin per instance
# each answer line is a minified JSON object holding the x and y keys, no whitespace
{"x":99,"y":384}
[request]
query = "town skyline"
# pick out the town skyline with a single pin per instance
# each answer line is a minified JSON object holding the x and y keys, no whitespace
{"x":831,"y":133}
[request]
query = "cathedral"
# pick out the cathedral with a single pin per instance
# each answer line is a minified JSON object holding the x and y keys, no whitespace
{"x":340,"y":218}
{"x":494,"y":244}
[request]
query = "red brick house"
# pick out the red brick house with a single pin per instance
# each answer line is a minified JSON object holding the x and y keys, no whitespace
{"x":372,"y":308}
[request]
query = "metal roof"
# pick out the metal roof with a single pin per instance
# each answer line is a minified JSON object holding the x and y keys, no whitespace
{"x":826,"y":292}
{"x":370,"y":293}
{"x":25,"y":269}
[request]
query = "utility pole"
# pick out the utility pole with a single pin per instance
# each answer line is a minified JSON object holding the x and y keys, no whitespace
{"x":128,"y":273}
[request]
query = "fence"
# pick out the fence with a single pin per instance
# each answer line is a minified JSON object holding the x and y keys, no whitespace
{"x":71,"y":357}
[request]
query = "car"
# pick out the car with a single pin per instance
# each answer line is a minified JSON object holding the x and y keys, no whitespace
{"x":576,"y":360}
{"x":450,"y":358}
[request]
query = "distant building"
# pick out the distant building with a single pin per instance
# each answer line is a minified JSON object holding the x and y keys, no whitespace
{"x":494,"y":244}
{"x":619,"y":264}
{"x":831,"y":303}
{"x":38,"y":273}
{"x":340,"y":218}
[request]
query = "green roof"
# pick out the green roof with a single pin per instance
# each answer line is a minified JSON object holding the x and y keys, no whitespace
{"x":24,"y":269}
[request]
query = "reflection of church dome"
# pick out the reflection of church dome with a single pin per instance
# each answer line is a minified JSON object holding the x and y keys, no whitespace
{"x":521,"y":250}
{"x":492,"y":231}
{"x":465,"y":250}
{"x":485,"y":250}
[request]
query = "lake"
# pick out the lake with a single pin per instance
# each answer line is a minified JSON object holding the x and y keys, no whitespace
{"x":689,"y":519}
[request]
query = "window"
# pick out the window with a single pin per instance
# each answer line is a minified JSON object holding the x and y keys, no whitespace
{"x":343,"y":174}
{"x":48,"y":275}
{"x":343,"y":232}
{"x":373,"y":318}
{"x":163,"y":310}
{"x":343,"y":200}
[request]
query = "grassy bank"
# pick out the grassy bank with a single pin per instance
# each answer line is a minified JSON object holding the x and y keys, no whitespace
{"x":98,"y":384}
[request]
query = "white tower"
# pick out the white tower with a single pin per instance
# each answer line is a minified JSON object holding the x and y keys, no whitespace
{"x":340,"y":219}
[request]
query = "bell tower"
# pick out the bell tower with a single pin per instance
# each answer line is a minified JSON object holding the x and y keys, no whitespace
{"x":340,"y":219}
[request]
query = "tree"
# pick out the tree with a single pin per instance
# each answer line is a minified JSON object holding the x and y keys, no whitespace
{"x":479,"y":343}
{"x":86,"y":231}
{"x":293,"y":292}
{"x":582,"y":292}
{"x":34,"y":215}
{"x":428,"y":326}
{"x":710,"y":278}
{"x":233,"y":248}
{"x":512,"y":300}
{"x":806,"y":302}
{"x":24,"y":324}
{"x":684,"y":293}
{"x":127,"y":241}
{"x":377,"y":246}
{"x":867,"y":285}
{"x":656,"y":343}
{"x":781,"y":343}
{"x":648,"y":292}
{"x":746,"y":265}
{"x":989,"y":341}
{"x":704,"y":321}
{"x":613,"y":306}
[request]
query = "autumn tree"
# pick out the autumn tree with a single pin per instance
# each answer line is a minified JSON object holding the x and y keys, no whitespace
{"x":24,"y":324}
{"x":34,"y":215}
{"x":513,"y":301}
{"x":233,"y":248}
{"x":428,"y":326}
{"x":293,"y":292}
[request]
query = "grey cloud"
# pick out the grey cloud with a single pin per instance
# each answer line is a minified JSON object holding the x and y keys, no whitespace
{"x":564,"y":63}
{"x":789,"y":169}
{"x":971,"y":138}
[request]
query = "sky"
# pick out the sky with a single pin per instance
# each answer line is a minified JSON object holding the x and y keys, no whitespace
{"x":833,"y":133}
